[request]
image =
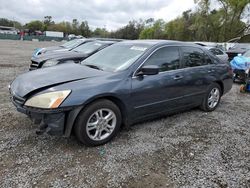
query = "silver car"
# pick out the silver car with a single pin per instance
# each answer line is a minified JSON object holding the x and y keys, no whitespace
{"x":218,"y":52}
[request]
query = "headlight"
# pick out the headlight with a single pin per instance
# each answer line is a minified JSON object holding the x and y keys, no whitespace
{"x":50,"y":63}
{"x":48,"y":100}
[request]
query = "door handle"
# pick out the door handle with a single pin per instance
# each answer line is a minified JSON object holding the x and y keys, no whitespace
{"x":178,"y":77}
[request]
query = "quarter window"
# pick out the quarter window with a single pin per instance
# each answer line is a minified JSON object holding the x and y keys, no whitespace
{"x":167,"y":58}
{"x":216,"y":51}
{"x":193,"y":57}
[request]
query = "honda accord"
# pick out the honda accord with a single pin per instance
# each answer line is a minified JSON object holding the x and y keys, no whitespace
{"x":123,"y":84}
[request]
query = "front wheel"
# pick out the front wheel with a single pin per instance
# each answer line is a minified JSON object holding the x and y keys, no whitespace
{"x":212,"y":98}
{"x":98,"y":123}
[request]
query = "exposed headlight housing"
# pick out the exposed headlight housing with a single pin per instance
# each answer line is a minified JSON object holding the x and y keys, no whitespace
{"x":49,"y":100}
{"x":50,"y":63}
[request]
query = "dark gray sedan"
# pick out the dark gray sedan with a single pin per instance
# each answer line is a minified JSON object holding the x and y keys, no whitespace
{"x":75,"y":55}
{"x":123,"y":84}
{"x":62,"y":48}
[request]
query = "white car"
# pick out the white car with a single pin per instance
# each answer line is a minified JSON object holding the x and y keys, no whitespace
{"x":218,"y":52}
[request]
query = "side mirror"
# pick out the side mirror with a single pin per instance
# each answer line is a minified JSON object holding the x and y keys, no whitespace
{"x":148,"y":70}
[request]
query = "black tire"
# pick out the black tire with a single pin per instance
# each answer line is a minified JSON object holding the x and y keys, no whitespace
{"x":205,"y":104}
{"x":80,"y":127}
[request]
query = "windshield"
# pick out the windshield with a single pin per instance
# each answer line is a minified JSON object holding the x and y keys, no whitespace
{"x":72,"y":43}
{"x":245,"y":46}
{"x":89,"y":47}
{"x":247,"y":54}
{"x":117,"y":57}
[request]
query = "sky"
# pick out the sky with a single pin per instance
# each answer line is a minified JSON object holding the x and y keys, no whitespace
{"x":111,"y":14}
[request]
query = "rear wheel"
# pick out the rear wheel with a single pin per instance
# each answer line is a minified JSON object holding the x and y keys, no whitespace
{"x":212,"y":98}
{"x":98,"y":123}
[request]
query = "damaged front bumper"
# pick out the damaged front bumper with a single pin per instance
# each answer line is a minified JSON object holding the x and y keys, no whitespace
{"x":54,"y":122}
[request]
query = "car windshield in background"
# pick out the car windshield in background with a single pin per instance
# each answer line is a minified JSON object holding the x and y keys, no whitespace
{"x":72,"y":43}
{"x":117,"y":57}
{"x":244,"y":46}
{"x":89,"y":47}
{"x":247,"y":54}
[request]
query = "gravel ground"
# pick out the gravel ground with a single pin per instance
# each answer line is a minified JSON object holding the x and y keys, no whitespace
{"x":191,"y":149}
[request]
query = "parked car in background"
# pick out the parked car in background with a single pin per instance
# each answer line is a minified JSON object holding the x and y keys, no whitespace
{"x":75,"y":55}
{"x":219,"y":53}
{"x":247,"y":54}
{"x":122,"y":84}
{"x":239,"y":48}
{"x":221,"y":46}
{"x":64,"y":47}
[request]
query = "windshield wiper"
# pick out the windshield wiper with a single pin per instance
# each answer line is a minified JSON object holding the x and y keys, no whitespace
{"x":93,"y":66}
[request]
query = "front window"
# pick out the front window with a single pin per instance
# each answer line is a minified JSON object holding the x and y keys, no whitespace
{"x":89,"y":47}
{"x":72,"y":43}
{"x":167,"y":58}
{"x":117,"y":57}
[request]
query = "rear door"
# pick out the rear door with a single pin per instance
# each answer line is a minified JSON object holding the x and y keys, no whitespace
{"x":198,"y":71}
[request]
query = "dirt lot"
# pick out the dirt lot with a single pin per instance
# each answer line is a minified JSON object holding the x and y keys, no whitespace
{"x":191,"y":149}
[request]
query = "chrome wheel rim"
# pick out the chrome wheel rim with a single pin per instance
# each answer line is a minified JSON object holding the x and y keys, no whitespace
{"x":213,"y":98}
{"x":101,"y":124}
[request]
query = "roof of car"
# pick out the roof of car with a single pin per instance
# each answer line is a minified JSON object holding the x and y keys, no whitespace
{"x":159,"y":42}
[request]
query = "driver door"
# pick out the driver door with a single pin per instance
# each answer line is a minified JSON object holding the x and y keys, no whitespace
{"x":159,"y":93}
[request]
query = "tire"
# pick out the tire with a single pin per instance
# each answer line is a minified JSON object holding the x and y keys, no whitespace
{"x":98,"y":123}
{"x":210,"y":101}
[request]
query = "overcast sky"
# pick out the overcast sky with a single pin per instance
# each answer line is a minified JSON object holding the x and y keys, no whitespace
{"x":111,"y":14}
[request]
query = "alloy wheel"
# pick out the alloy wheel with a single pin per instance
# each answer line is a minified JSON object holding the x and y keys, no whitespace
{"x":213,"y":98}
{"x":101,"y":124}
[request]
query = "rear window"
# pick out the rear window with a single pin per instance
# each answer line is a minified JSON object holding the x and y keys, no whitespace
{"x":194,"y":57}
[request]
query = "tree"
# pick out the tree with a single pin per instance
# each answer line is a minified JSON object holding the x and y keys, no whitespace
{"x":48,"y":22}
{"x":100,"y":32}
{"x":10,"y":23}
{"x":231,"y":13}
{"x":75,"y":27}
{"x":35,"y":26}
{"x":156,"y":31}
{"x":84,"y":29}
{"x":131,"y":31}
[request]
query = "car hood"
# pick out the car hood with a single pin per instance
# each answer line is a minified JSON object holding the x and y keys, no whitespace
{"x":58,"y":56}
{"x":52,"y":76}
{"x":51,"y":48}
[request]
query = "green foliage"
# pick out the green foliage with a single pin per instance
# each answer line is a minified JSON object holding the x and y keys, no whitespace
{"x":204,"y":24}
{"x":131,"y":31}
{"x":10,"y":23}
{"x":156,"y":31}
{"x":35,"y":26}
{"x":100,"y":32}
{"x":84,"y":29}
{"x":224,"y":23}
